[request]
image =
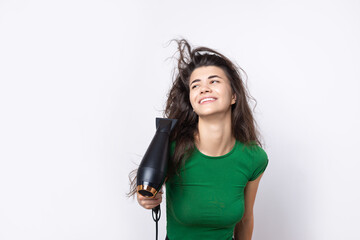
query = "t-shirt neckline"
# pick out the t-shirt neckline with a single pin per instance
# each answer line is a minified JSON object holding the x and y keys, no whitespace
{"x":218,"y":157}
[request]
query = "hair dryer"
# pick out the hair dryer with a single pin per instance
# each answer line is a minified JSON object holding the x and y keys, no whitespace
{"x":153,"y":167}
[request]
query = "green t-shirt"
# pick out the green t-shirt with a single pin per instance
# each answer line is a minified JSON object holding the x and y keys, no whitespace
{"x":207,"y":200}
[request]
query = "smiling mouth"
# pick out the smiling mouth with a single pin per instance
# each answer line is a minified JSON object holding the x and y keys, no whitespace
{"x":210,"y":99}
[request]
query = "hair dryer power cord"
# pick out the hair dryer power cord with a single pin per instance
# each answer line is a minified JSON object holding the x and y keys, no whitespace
{"x":156,"y":214}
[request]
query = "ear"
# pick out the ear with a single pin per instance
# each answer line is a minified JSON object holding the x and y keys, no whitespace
{"x":233,"y":99}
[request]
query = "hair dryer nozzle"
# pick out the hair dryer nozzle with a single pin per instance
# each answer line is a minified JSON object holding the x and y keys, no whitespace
{"x":146,"y":190}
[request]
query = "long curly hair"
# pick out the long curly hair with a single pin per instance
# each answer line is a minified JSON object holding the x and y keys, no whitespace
{"x":178,"y":104}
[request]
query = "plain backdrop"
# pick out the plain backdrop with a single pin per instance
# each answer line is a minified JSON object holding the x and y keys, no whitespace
{"x":82,"y":82}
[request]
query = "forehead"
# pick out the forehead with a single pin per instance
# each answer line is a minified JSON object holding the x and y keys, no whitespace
{"x":206,"y":71}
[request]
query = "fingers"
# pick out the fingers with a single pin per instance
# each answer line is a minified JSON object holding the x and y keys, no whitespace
{"x":149,"y":203}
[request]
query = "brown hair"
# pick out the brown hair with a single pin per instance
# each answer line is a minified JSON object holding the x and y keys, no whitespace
{"x":178,"y":104}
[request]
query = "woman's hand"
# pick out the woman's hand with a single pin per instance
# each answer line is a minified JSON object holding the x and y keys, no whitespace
{"x":149,"y":203}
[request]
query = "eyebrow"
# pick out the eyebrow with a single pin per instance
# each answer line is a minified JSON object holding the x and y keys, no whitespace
{"x":210,"y":77}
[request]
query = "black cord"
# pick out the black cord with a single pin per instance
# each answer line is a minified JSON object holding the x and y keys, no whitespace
{"x":156,"y":214}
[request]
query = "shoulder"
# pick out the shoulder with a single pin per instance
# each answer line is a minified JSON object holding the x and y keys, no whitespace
{"x":257,"y":159}
{"x":172,"y":144}
{"x":259,"y":153}
{"x":253,"y":150}
{"x":172,"y":147}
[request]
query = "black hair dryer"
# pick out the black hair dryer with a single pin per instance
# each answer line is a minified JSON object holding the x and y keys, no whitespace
{"x":153,"y":167}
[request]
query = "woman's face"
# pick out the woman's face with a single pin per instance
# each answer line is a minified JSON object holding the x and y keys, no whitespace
{"x":210,"y":91}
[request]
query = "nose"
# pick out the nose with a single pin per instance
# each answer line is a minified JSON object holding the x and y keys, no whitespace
{"x":205,"y":89}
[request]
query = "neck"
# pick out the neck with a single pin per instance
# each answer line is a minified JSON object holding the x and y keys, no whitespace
{"x":215,"y":136}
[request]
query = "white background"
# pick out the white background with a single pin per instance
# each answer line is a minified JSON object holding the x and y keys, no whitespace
{"x":82,"y":83}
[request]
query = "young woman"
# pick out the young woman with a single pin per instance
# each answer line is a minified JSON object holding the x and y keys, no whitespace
{"x":216,"y":157}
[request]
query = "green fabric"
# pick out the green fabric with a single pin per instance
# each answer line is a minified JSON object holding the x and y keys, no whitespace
{"x":207,"y":199}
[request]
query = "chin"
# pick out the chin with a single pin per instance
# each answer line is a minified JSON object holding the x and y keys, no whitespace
{"x":209,"y":114}
{"x":212,"y":113}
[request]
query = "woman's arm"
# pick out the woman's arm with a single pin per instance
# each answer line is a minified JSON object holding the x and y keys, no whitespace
{"x":244,"y":229}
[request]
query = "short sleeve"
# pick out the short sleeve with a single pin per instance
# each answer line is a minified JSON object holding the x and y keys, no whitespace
{"x":260,"y":162}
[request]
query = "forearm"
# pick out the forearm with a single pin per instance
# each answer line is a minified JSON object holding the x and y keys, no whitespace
{"x":243,"y":229}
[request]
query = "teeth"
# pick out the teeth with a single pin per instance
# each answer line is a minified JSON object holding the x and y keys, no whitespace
{"x":206,"y":99}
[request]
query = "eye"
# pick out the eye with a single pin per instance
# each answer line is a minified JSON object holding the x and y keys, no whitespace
{"x":213,"y":81}
{"x":194,"y":86}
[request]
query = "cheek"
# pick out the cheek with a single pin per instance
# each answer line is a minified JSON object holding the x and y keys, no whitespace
{"x":229,"y":93}
{"x":191,"y":98}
